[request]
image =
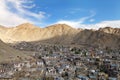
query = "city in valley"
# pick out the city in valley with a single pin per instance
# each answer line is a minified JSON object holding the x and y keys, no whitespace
{"x":58,"y":62}
{"x":59,"y":39}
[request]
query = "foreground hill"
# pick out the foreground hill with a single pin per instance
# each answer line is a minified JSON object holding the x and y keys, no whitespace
{"x":7,"y":53}
{"x":62,"y":34}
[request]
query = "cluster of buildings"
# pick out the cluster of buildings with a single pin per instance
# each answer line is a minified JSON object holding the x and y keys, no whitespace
{"x":64,"y":63}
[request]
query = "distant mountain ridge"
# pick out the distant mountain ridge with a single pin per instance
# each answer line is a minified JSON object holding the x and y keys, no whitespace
{"x":62,"y":34}
{"x":110,"y":30}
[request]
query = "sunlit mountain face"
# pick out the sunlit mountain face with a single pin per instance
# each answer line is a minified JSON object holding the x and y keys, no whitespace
{"x":62,"y":34}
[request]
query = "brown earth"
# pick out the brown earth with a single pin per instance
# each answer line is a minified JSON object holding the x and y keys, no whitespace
{"x":62,"y":34}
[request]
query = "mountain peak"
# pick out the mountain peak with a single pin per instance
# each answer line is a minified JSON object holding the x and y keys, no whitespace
{"x":26,"y":25}
{"x":110,"y":30}
{"x":60,"y":26}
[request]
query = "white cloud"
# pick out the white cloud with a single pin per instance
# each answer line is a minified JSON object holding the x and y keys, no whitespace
{"x":14,"y":12}
{"x":92,"y":20}
{"x":76,"y":24}
{"x":80,"y":23}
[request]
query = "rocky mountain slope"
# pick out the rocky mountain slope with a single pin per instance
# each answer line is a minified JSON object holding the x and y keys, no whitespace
{"x":62,"y":34}
{"x":7,"y":53}
{"x":115,"y":31}
{"x":28,"y":32}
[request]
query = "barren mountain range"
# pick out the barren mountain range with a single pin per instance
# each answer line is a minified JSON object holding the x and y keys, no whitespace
{"x":62,"y":34}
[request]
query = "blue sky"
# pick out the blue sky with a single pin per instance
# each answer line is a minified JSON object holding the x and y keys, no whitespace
{"x":76,"y":13}
{"x":76,"y":9}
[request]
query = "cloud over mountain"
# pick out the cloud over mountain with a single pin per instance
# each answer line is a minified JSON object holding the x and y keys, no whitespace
{"x":79,"y":24}
{"x":14,"y":12}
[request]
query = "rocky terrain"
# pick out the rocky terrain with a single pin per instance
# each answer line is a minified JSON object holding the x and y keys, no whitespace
{"x":62,"y":34}
{"x":8,"y":54}
{"x":115,"y":31}
{"x":59,"y":52}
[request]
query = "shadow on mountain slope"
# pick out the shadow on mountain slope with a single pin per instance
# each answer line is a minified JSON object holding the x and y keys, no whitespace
{"x":86,"y":38}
